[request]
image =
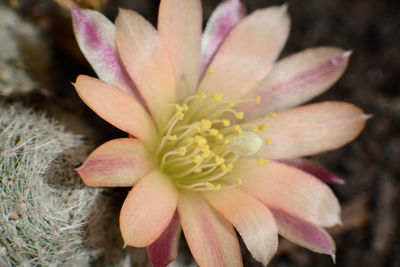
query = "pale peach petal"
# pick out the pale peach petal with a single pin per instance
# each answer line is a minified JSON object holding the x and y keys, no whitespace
{"x":146,"y":59}
{"x":211,"y":238}
{"x":252,"y":220}
{"x":248,"y":53}
{"x":297,"y":79}
{"x":304,"y":233}
{"x":227,"y":14}
{"x":311,"y":129}
{"x":315,"y":169}
{"x":95,"y":35}
{"x":116,"y":107}
{"x":165,"y":249}
{"x":180,"y":26}
{"x":119,"y":162}
{"x":288,"y":189}
{"x":148,"y":210}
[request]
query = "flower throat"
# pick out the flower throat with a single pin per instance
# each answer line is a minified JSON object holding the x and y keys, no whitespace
{"x":200,"y":144}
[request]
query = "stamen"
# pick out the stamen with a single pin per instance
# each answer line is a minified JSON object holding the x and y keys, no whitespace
{"x":267,"y":140}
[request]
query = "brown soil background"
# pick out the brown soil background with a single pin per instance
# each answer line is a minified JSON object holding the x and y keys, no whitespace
{"x":370,"y":165}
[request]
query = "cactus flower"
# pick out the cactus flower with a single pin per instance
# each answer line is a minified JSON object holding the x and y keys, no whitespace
{"x":216,"y":133}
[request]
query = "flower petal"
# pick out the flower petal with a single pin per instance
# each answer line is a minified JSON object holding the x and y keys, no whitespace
{"x":119,"y":162}
{"x":248,"y":53}
{"x":96,"y":38}
{"x":304,"y":233}
{"x":315,"y":169}
{"x":221,"y":22}
{"x":146,"y":59}
{"x":312,"y":129}
{"x":211,"y":238}
{"x":116,"y":107}
{"x":297,"y":79}
{"x":148,"y":210}
{"x":288,"y":189}
{"x":252,"y":220}
{"x":180,"y":26}
{"x":165,"y":249}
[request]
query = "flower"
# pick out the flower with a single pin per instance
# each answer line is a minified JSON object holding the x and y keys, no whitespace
{"x":216,"y":139}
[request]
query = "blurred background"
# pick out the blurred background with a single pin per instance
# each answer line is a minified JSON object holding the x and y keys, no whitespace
{"x":370,"y":165}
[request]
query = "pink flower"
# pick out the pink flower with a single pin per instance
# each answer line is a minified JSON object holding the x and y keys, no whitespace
{"x":216,"y":139}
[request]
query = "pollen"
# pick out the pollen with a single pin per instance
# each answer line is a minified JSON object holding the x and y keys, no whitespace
{"x":182,"y":151}
{"x":239,"y":115}
{"x":206,"y":124}
{"x":262,"y":161}
{"x":267,"y":141}
{"x":226,"y":122}
{"x":257,"y":100}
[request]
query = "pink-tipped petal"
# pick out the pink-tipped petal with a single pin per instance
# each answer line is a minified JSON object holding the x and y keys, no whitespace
{"x":312,"y":129}
{"x":211,"y":238}
{"x":282,"y":187}
{"x":221,"y":22}
{"x":252,"y":220}
{"x":297,"y":79}
{"x":248,"y":53}
{"x":146,"y":59}
{"x":119,"y":162}
{"x":148,"y":210}
{"x":304,"y":233}
{"x":315,"y":169}
{"x":116,"y":107}
{"x":165,"y":249}
{"x":96,"y":38}
{"x":180,"y":26}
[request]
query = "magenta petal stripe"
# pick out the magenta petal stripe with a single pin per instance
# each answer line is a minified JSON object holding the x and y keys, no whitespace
{"x":96,"y":38}
{"x":165,"y":249}
{"x":296,"y":79}
{"x":304,"y":233}
{"x":314,"y":169}
{"x":221,"y":22}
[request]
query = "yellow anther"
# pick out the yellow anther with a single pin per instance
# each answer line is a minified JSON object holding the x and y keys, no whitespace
{"x":227,"y":168}
{"x":204,"y":148}
{"x":255,"y":129}
{"x":172,"y":137}
{"x":219,"y":137}
{"x":262,"y":161}
{"x":179,"y":115}
{"x":239,"y":115}
{"x":213,"y":131}
{"x":217,"y":96}
{"x":230,"y":167}
{"x":226,"y":123}
{"x":178,"y":108}
{"x":257,"y":100}
{"x":210,"y":185}
{"x":238,"y":181}
{"x":210,"y":70}
{"x":272,"y":114}
{"x":197,"y":129}
{"x":206,"y":124}
{"x":264,"y":127}
{"x":231,"y":105}
{"x":182,"y":151}
{"x":197,"y":159}
{"x":202,"y":95}
{"x":185,"y":107}
{"x":224,"y":167}
{"x":198,"y":170}
{"x":206,"y":153}
{"x":189,"y":140}
{"x":267,"y":140}
{"x":238,"y":129}
{"x":219,"y":160}
{"x":200,"y":140}
{"x":218,"y":187}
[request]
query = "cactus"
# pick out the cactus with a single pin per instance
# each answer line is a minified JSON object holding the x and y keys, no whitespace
{"x":44,"y":206}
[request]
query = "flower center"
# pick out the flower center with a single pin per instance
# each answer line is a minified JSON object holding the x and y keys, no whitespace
{"x":200,"y":144}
